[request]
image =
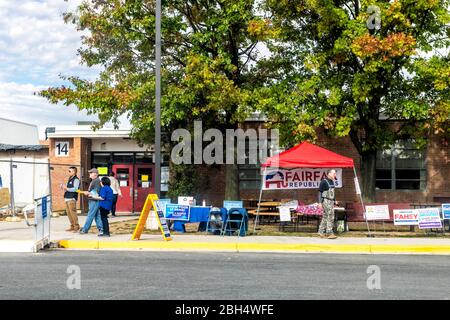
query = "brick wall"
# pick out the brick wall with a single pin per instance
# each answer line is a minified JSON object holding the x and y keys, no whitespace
{"x":437,"y":188}
{"x":79,"y":156}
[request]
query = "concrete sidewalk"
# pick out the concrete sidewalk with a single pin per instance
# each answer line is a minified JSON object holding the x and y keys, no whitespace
{"x":16,"y":235}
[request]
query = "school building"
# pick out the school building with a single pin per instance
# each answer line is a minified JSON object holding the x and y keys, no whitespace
{"x":108,"y":150}
{"x":403,"y":174}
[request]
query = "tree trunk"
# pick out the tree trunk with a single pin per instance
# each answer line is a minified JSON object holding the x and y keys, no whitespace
{"x":368,"y":168}
{"x":231,"y":182}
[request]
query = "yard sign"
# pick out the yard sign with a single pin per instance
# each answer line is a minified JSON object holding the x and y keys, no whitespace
{"x":446,"y":211}
{"x":152,"y":202}
{"x":429,"y":218}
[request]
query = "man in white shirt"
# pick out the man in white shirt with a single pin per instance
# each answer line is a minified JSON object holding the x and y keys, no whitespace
{"x":116,"y":191}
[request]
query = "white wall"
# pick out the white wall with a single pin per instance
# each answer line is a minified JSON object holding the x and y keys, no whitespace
{"x":17,"y":133}
{"x":116,"y":144}
{"x":30,"y":180}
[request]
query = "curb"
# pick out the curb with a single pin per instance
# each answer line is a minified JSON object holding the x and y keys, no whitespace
{"x":254,"y":247}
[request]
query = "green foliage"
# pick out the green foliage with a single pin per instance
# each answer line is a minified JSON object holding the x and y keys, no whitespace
{"x":208,"y":53}
{"x":186,"y":181}
{"x":339,"y":75}
{"x":208,"y":47}
{"x":326,"y":68}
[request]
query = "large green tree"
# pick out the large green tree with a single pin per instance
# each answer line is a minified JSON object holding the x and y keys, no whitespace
{"x":209,"y":51}
{"x":377,"y":79}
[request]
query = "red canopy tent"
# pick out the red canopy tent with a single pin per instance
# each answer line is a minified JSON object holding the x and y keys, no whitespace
{"x":307,"y":155}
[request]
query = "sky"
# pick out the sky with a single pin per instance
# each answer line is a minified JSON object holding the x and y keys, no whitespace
{"x":36,"y":46}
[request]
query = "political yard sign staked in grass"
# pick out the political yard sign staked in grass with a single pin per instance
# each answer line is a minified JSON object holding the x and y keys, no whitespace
{"x":406,"y":217}
{"x":429,"y":218}
{"x":446,"y":211}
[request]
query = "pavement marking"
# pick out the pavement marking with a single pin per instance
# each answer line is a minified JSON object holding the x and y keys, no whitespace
{"x":17,"y":246}
{"x":256,"y":247}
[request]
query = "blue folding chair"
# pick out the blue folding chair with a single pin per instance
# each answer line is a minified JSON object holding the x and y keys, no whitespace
{"x":236,"y":220}
{"x":215,"y":220}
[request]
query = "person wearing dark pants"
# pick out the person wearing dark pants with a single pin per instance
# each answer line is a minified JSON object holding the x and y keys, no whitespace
{"x":104,"y":216}
{"x":106,"y":193}
{"x":115,"y":186}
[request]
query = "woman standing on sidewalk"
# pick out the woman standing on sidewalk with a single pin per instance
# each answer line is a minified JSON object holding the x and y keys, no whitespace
{"x":107,"y":195}
{"x":115,"y":186}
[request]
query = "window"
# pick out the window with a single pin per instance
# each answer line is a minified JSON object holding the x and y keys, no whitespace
{"x":402,"y":167}
{"x":250,"y":174}
{"x":101,"y":160}
{"x":144,"y":177}
{"x":122,"y":158}
{"x":144,"y":158}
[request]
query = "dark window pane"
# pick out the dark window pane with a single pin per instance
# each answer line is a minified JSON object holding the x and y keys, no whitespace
{"x":123,"y":176}
{"x":383,"y":184}
{"x":145,"y":177}
{"x":249,"y":177}
{"x":122,"y":158}
{"x":144,"y":158}
{"x":409,"y":163}
{"x":100,"y":159}
{"x":249,"y":174}
{"x":407,"y":185}
{"x":407,"y":174}
{"x":383,"y":174}
{"x":249,"y":185}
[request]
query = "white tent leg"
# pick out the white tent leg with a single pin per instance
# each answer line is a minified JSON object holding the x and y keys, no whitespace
{"x":259,"y":201}
{"x":363,"y":207}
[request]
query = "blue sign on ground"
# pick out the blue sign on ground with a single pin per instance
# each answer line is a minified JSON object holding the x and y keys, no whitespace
{"x":446,"y":210}
{"x":229,"y":204}
{"x":44,"y":207}
{"x":177,"y":212}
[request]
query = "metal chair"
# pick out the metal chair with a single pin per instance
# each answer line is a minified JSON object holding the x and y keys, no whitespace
{"x":236,"y":220}
{"x":215,"y":221}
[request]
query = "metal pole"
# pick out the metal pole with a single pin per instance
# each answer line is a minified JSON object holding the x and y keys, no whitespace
{"x":11,"y":186}
{"x":158,"y":100}
{"x":50,"y":185}
{"x":50,"y":207}
{"x":363,"y":207}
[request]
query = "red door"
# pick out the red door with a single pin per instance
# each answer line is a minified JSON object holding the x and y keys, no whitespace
{"x":143,"y":184}
{"x":124,"y":174}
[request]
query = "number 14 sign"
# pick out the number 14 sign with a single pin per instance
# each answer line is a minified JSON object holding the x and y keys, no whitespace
{"x":62,"y":148}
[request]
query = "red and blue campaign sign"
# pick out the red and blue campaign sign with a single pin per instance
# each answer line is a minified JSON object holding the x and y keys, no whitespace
{"x":406,"y":217}
{"x":299,"y":178}
{"x":177,"y":212}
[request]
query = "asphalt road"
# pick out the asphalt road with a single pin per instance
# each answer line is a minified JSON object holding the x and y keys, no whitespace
{"x":168,"y":275}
